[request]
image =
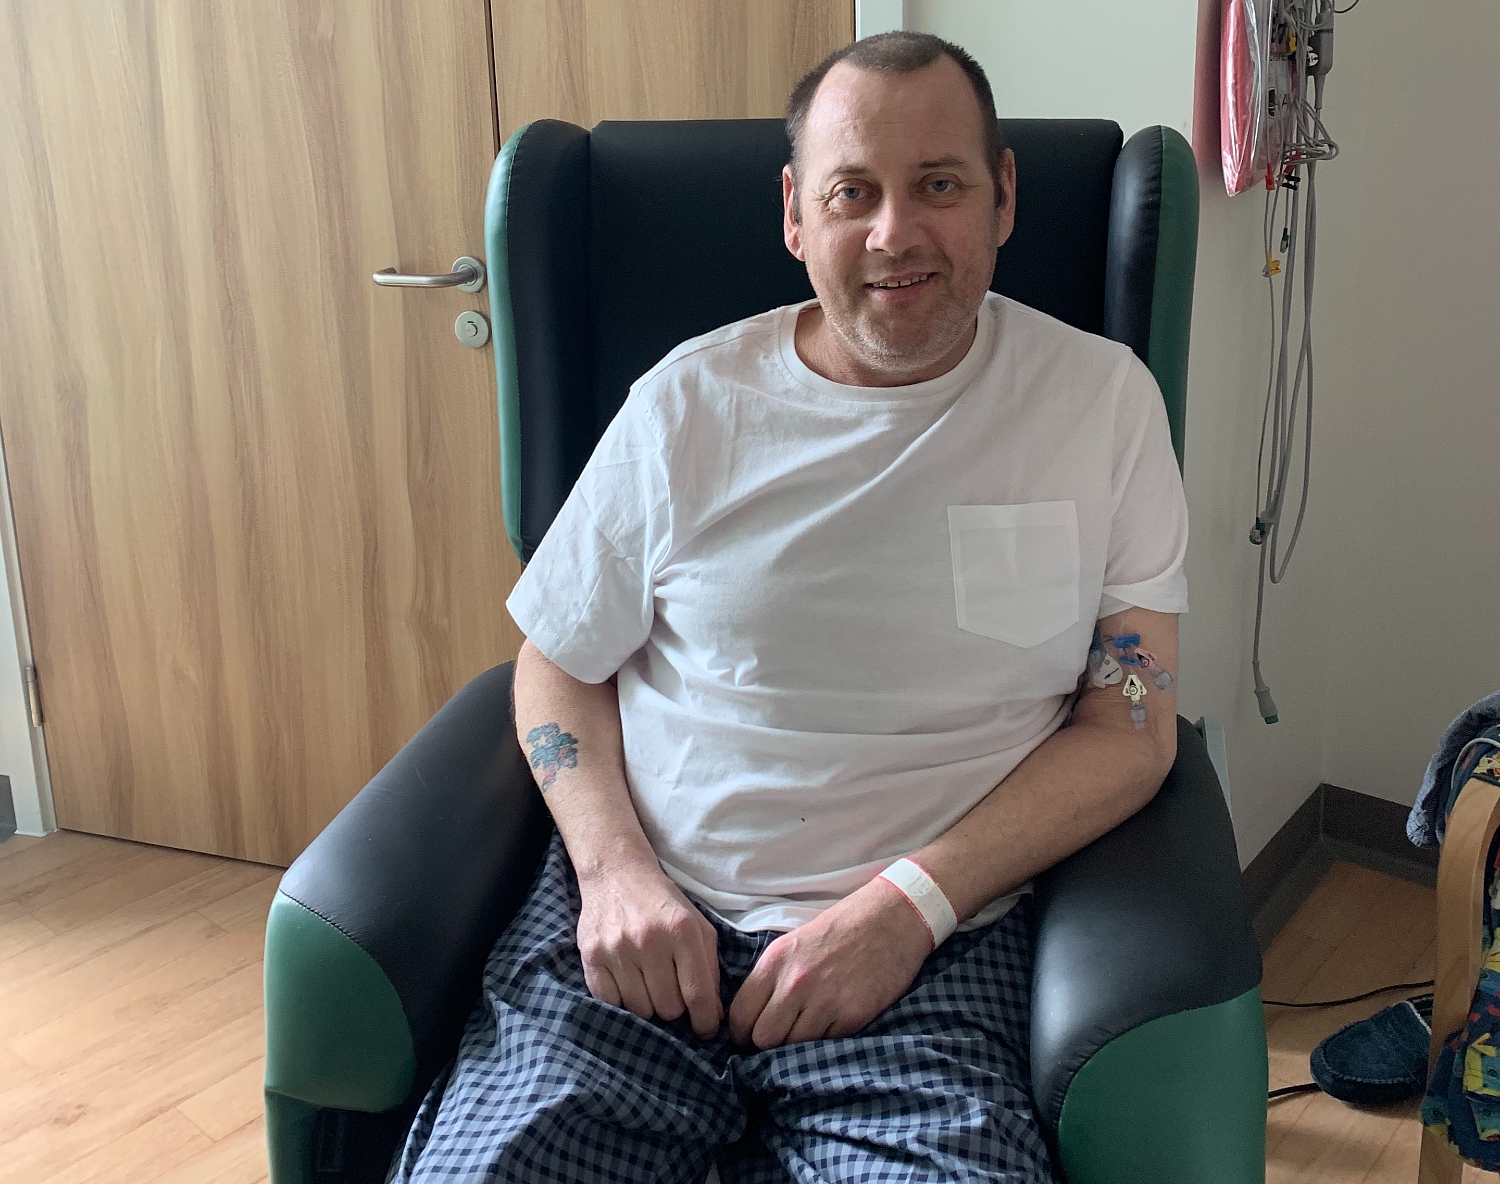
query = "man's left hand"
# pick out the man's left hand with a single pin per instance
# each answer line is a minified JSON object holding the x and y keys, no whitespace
{"x":834,"y":974}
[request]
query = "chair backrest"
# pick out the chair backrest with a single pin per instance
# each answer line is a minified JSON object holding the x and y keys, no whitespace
{"x":609,"y":248}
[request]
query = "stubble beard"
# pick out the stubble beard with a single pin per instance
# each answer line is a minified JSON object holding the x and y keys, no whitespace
{"x":883,"y":353}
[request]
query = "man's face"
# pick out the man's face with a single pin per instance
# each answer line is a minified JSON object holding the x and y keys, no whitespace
{"x":895,"y":190}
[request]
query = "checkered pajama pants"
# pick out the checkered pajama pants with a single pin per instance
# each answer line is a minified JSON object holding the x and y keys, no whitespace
{"x":552,"y":1085}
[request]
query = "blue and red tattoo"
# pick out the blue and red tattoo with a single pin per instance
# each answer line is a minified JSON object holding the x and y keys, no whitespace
{"x":552,"y":749}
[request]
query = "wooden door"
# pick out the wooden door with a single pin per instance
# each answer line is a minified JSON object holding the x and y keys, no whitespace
{"x":658,"y":59}
{"x":256,"y":497}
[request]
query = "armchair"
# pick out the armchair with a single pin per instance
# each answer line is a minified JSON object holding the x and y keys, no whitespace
{"x":1148,"y":1048}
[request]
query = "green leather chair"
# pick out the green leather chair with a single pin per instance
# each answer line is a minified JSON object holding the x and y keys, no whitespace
{"x":1148,"y":1049}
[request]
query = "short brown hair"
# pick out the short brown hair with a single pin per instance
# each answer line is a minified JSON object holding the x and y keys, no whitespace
{"x":898,"y":53}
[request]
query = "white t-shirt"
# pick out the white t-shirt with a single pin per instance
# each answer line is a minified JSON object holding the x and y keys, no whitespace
{"x":842,"y":615}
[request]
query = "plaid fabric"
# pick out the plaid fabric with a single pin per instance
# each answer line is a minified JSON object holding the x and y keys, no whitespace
{"x":550,"y":1084}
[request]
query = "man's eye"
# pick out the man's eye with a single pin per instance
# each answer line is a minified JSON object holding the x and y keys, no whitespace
{"x":849,"y":192}
{"x":942,"y":185}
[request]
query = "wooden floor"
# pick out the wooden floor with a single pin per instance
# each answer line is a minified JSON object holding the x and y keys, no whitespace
{"x":1357,"y":931}
{"x":132,"y":1042}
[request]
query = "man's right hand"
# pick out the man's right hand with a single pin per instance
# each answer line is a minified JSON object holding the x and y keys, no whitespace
{"x":647,"y":949}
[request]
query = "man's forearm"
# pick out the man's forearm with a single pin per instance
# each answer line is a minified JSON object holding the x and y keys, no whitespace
{"x":1080,"y":783}
{"x":570,"y":733}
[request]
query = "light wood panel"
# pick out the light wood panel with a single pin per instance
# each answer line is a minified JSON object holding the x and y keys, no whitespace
{"x":256,"y":497}
{"x":587,"y":60}
{"x":132,"y":1046}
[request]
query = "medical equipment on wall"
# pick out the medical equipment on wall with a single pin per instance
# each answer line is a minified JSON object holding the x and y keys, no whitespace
{"x":1276,"y":56}
{"x":1242,"y":92}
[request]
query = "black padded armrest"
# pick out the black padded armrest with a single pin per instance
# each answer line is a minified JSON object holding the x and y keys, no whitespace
{"x":426,"y":866}
{"x":1147,"y":921}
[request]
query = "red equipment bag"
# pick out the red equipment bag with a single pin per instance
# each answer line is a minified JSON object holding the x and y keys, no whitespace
{"x":1242,"y":66}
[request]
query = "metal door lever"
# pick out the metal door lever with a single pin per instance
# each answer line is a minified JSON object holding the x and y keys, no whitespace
{"x":467,"y":275}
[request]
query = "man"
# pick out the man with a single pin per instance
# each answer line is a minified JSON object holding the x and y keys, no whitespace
{"x":802,"y":646}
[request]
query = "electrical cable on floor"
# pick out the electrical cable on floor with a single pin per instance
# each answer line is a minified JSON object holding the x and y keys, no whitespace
{"x":1312,"y":1086}
{"x":1352,"y":998}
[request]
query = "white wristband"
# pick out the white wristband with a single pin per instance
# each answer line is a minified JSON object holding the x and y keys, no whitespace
{"x":922,"y":890}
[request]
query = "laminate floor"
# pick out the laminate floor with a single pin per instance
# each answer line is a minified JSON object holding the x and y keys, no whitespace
{"x":132,"y":1040}
{"x":1358,"y":930}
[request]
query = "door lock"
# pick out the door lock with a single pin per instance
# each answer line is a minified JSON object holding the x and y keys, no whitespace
{"x":471,"y":329}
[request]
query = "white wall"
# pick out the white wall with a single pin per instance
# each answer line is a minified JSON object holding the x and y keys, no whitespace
{"x":1407,"y":425}
{"x":1273,"y":767}
{"x":877,"y":16}
{"x":1140,"y":65}
{"x":1076,"y":59}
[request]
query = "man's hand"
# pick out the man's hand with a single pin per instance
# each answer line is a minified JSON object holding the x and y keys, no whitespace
{"x":646,"y":949}
{"x":833,"y":975}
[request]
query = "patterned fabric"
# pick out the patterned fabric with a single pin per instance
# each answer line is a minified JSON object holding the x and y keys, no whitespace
{"x":550,"y":1084}
{"x":1462,"y":1104}
{"x":1440,"y":783}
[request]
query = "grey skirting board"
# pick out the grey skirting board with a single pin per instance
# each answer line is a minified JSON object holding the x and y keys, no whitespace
{"x":1334,"y":823}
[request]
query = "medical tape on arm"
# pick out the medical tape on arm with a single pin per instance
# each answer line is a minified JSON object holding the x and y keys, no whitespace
{"x":928,"y":899}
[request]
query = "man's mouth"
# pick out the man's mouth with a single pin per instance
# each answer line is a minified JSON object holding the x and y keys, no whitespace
{"x":901,"y":281}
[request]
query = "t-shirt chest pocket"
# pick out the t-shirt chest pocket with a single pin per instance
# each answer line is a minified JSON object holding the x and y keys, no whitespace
{"x":1015,"y":569}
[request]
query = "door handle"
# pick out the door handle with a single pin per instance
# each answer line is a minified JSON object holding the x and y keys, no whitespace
{"x":467,"y":275}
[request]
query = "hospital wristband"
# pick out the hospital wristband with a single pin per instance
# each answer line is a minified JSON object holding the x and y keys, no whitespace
{"x":928,"y":899}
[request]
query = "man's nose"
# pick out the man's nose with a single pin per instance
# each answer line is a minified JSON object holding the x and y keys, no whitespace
{"x":896,"y":226}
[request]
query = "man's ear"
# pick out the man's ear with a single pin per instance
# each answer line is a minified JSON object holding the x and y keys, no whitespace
{"x":791,"y":232}
{"x":1005,"y":212}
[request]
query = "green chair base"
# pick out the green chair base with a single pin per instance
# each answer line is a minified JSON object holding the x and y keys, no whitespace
{"x":327,"y":1004}
{"x":1199,"y":1077}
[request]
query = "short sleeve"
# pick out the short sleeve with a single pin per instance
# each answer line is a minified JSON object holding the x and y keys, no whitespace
{"x":1149,"y":530}
{"x":586,"y":599}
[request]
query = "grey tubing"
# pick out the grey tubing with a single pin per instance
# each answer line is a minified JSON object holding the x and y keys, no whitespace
{"x":1312,"y":142}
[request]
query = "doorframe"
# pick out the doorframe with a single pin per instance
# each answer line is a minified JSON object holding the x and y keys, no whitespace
{"x":23,"y":748}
